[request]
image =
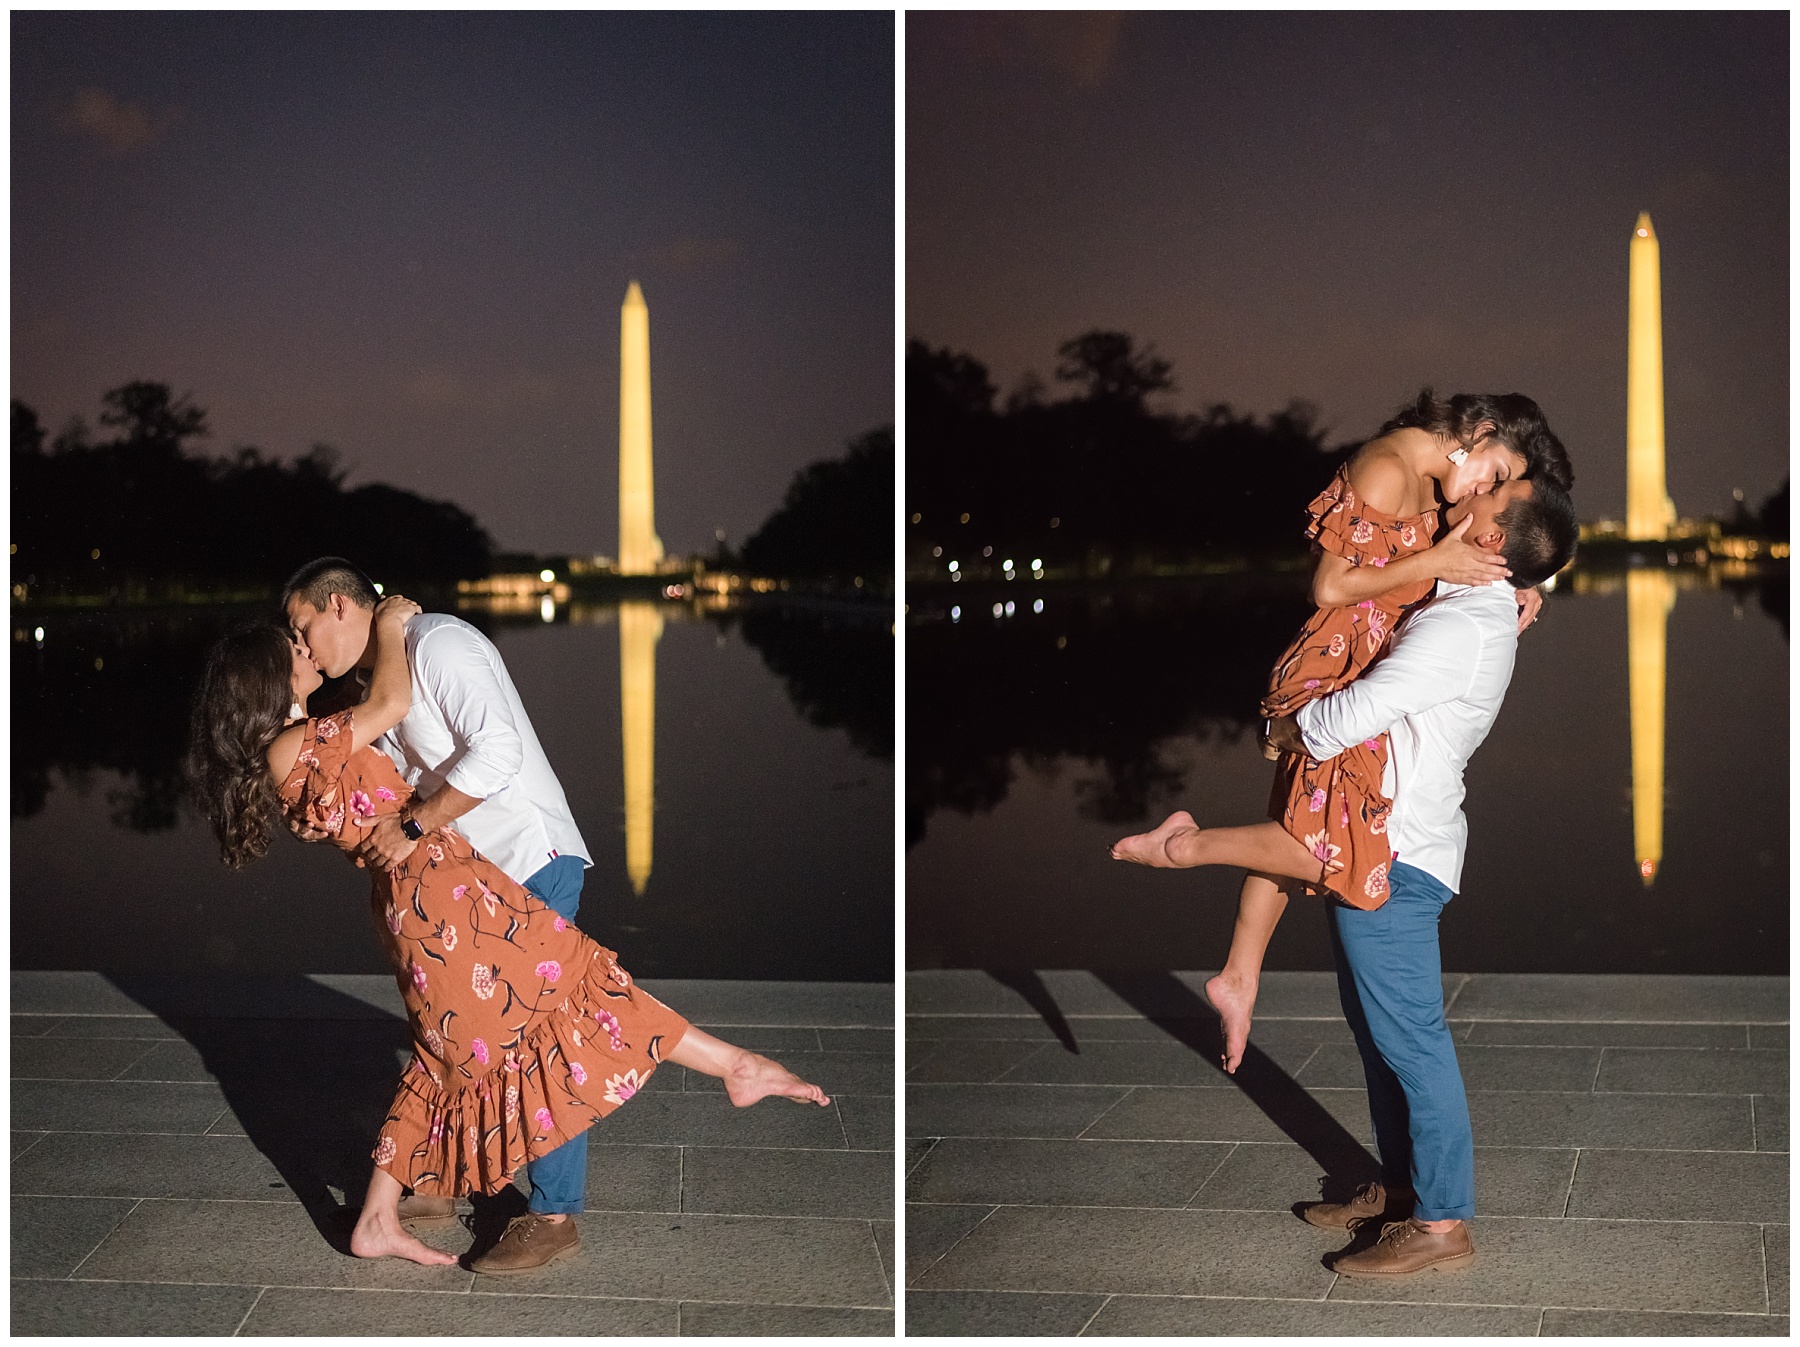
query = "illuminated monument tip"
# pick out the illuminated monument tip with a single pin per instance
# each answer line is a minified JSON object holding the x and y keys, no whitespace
{"x":639,"y":547}
{"x":1647,"y":868}
{"x":1648,"y":510}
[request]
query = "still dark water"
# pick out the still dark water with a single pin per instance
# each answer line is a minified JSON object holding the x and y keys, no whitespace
{"x":772,"y":825}
{"x":1037,"y":738}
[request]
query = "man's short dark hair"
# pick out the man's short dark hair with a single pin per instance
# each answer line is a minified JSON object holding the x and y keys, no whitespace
{"x":1540,"y":533}
{"x":317,"y":581}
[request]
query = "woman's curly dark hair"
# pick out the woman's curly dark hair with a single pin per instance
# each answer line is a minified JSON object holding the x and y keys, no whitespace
{"x":1518,"y":423}
{"x":243,"y":700}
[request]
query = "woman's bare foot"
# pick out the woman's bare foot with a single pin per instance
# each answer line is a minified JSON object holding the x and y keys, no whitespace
{"x":1234,"y":1000}
{"x":379,"y":1237}
{"x":753,"y":1077}
{"x":1152,"y":848}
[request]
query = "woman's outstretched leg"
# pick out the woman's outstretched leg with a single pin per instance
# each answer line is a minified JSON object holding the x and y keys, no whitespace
{"x":1261,"y":902}
{"x":748,"y":1077}
{"x":1178,"y":843}
{"x":378,"y":1232}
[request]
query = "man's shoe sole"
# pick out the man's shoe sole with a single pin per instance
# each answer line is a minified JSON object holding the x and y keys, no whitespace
{"x":1449,"y":1264}
{"x":567,"y":1251}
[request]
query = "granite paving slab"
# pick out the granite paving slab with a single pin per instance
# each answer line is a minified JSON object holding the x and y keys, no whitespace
{"x":81,"y":1164}
{"x":1776,"y":1266}
{"x":1631,"y":1324}
{"x":1631,"y":1165}
{"x":1211,"y":1316}
{"x":702,"y":1320}
{"x":116,"y":1106}
{"x":53,"y":1236}
{"x":867,"y":1121}
{"x":1005,"y":1110}
{"x":1611,"y":1034}
{"x":155,"y":1139}
{"x":1770,"y":1121}
{"x":90,"y":1309}
{"x":1137,"y":1251}
{"x":1001,"y":1314}
{"x":1064,"y":1173}
{"x":932,"y":1231}
{"x":1695,"y":1070}
{"x":788,"y":1183}
{"x":1681,"y":1185}
{"x":312,"y":1311}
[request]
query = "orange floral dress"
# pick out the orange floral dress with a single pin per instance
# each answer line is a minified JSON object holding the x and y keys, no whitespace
{"x":1336,"y":809}
{"x":524,"y":1030}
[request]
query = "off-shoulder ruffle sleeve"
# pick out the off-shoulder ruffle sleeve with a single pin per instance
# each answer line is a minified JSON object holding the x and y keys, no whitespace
{"x":1345,"y":525}
{"x":312,"y":790}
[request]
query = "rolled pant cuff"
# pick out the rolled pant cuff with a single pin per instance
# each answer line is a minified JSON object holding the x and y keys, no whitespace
{"x":545,"y":1207}
{"x":1465,"y":1212}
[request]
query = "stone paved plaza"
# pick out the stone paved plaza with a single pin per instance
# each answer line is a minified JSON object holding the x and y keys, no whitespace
{"x":182,"y":1152}
{"x":1077,"y":1164}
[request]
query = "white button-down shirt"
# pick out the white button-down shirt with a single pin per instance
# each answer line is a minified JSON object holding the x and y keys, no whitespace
{"x":467,"y":728}
{"x":1436,"y":691}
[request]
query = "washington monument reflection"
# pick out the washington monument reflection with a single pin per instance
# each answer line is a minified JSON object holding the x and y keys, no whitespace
{"x":640,"y":627}
{"x":1649,"y":595}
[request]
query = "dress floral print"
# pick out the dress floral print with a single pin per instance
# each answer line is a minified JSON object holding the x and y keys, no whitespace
{"x":524,"y":1030}
{"x":1336,"y":809}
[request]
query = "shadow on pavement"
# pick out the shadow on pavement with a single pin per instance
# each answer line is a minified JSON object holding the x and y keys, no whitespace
{"x":308,"y":1073}
{"x":1175,"y":1008}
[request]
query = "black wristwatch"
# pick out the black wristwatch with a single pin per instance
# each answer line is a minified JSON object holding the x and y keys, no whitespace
{"x":410,"y":826}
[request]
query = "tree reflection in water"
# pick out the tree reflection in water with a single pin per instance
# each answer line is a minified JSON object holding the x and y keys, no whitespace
{"x":110,"y":690}
{"x":1111,"y":677}
{"x":1105,"y":676}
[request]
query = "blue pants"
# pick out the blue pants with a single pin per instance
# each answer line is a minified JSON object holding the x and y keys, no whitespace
{"x":559,"y":1180}
{"x":1390,"y":979}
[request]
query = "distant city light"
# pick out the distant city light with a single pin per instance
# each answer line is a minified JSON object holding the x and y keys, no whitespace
{"x":955,"y":566}
{"x":546,"y":575}
{"x":1549,"y":584}
{"x":1038,"y":607}
{"x":1009,"y":608}
{"x":999,"y":608}
{"x":1007,"y":563}
{"x":379,"y":589}
{"x":965,"y":517}
{"x":1055,"y":522}
{"x":38,"y":635}
{"x":956,"y":612}
{"x":1037,"y":563}
{"x":937,"y":551}
{"x":987,"y":551}
{"x":547,"y":609}
{"x":915,"y":518}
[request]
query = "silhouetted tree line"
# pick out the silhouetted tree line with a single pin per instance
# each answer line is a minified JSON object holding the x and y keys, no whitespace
{"x":836,"y":522}
{"x":141,"y":514}
{"x":1099,"y":479}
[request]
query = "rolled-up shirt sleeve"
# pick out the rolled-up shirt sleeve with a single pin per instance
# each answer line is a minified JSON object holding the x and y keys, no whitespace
{"x":1432,"y":660}
{"x":455,"y":672}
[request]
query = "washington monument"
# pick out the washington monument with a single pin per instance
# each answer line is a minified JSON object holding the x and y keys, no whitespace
{"x":639,"y":547}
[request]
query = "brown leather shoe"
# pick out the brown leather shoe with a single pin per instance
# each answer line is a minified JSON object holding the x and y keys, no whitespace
{"x":530,"y":1242}
{"x":1372,"y":1201}
{"x":427,"y":1211}
{"x":1406,"y":1247}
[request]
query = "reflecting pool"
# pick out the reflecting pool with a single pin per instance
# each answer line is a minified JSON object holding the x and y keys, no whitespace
{"x":1627,"y":814}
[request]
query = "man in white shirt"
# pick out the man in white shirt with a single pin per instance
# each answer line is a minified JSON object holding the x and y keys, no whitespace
{"x":468,"y":750}
{"x":1435,"y":692}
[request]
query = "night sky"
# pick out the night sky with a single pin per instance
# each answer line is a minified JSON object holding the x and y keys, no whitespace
{"x":408,"y":236}
{"x":1343,"y":207}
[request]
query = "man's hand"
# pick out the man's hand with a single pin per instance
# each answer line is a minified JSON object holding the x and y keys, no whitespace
{"x":1530,"y":601}
{"x":300,"y":828}
{"x":386,"y":846}
{"x":1284,"y":734}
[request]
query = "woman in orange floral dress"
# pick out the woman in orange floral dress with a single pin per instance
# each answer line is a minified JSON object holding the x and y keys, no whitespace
{"x":524,"y":1030}
{"x":1372,"y":530}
